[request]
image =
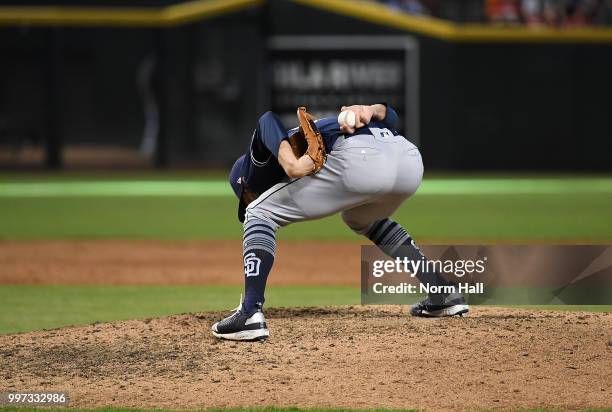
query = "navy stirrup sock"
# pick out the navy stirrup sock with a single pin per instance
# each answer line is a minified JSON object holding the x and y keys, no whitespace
{"x":393,"y":239}
{"x":259,"y":245}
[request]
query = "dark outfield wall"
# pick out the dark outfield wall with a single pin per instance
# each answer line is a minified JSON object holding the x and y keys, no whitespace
{"x":482,"y":106}
{"x":88,"y":86}
{"x":499,"y":106}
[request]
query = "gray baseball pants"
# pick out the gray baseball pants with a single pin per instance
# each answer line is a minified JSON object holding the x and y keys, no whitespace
{"x":366,"y":177}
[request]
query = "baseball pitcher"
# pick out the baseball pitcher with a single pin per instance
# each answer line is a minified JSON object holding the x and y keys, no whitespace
{"x":362,"y":168}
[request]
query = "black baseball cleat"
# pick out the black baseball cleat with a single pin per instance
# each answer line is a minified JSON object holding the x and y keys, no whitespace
{"x":242,"y":326}
{"x":453,"y":305}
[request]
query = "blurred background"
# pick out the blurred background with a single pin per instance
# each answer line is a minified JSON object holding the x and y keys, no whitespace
{"x":120,"y":119}
{"x":480,"y":84}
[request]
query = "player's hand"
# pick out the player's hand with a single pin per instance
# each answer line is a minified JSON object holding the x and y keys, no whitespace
{"x":303,"y":167}
{"x":363,"y":116}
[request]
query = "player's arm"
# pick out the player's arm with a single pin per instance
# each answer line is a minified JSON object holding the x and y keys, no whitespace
{"x":271,"y":134}
{"x":294,"y":167}
{"x":365,"y":114}
{"x":390,"y":117}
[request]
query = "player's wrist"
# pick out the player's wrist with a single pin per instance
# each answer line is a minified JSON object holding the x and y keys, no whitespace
{"x":379,"y":111}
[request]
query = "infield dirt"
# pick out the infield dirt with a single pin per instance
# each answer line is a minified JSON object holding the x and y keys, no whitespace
{"x":334,"y":357}
{"x":133,"y":262}
{"x":337,"y":357}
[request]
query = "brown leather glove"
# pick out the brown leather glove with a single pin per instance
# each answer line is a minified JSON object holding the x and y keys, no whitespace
{"x":307,"y":140}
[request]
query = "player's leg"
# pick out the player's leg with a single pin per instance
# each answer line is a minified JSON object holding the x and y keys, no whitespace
{"x":358,"y":171}
{"x":372,"y":220}
{"x":350,"y":177}
{"x":396,"y":242}
{"x":255,"y":171}
{"x":259,"y":243}
{"x":248,"y":321}
{"x":284,"y":203}
{"x":308,"y":198}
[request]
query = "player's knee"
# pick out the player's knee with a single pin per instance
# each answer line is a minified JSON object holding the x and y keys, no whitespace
{"x":254,"y":212}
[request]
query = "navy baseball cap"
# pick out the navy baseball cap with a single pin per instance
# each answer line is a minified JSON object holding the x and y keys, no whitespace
{"x":235,"y":180}
{"x":235,"y":176}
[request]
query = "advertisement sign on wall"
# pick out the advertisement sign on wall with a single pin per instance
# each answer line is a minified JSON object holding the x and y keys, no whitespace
{"x":324,"y":73}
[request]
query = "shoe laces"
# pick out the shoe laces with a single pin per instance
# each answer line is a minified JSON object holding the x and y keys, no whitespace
{"x":228,"y":320}
{"x":239,"y":307}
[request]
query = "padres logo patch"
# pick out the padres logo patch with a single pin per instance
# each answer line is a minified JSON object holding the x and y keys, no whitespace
{"x":251,"y":264}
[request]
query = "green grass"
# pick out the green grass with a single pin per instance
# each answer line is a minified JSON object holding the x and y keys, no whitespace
{"x":474,"y":209}
{"x":441,"y":217}
{"x":176,"y":205}
{"x":26,"y":308}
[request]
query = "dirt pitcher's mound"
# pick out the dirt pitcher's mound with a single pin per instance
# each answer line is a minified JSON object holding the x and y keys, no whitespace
{"x":344,"y":357}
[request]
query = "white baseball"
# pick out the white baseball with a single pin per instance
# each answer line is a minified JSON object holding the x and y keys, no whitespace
{"x":347,"y":118}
